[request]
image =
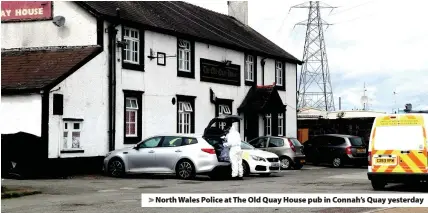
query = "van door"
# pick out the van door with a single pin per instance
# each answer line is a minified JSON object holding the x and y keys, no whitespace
{"x":399,"y":145}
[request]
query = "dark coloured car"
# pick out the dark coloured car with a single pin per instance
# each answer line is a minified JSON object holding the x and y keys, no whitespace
{"x":336,"y":150}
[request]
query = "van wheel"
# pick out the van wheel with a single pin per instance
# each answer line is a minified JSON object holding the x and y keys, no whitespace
{"x":378,"y":185}
{"x":285,"y":163}
{"x":185,"y":170}
{"x":337,"y":162}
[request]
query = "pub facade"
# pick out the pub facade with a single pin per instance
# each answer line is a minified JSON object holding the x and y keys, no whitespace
{"x":109,"y":76}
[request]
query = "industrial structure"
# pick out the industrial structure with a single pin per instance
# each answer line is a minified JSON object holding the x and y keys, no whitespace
{"x":315,"y":88}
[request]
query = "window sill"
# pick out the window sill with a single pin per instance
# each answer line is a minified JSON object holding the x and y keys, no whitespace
{"x":186,"y":74}
{"x":64,"y":151}
{"x":249,"y":83}
{"x":131,"y":66}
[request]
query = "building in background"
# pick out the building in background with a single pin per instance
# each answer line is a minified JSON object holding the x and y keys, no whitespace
{"x":313,"y":122}
{"x":91,"y":77}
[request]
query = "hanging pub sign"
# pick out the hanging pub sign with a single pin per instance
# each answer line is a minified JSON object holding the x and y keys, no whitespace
{"x":17,"y":11}
{"x":220,"y":72}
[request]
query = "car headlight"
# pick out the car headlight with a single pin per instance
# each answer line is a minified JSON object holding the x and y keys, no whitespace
{"x":257,"y":158}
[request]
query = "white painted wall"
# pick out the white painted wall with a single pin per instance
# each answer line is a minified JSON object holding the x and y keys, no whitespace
{"x":85,"y":97}
{"x":160,"y":84}
{"x":80,"y":29}
{"x":21,"y":113}
{"x":290,"y":99}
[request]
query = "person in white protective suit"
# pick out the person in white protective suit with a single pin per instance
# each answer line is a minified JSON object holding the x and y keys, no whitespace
{"x":233,"y":142}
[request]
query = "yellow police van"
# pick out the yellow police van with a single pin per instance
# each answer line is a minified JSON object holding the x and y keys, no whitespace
{"x":398,"y":149}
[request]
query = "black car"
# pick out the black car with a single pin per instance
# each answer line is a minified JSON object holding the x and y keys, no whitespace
{"x":336,"y":150}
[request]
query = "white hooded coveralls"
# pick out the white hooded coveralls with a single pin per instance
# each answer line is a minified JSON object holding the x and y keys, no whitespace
{"x":233,"y":139}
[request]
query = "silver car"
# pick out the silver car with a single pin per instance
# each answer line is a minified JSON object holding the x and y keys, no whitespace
{"x":289,"y":150}
{"x":183,"y":155}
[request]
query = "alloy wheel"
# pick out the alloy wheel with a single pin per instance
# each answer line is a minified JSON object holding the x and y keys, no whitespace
{"x":116,"y":168}
{"x":185,"y":170}
{"x":337,"y":162}
{"x":285,"y":163}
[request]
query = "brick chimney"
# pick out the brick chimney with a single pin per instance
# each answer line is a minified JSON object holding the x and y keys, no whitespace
{"x":238,"y":10}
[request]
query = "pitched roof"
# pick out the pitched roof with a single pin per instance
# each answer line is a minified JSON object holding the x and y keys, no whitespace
{"x":34,"y":69}
{"x":262,"y":99}
{"x":187,"y":19}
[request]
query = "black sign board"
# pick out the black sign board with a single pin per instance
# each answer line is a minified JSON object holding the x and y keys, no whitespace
{"x":218,"y":72}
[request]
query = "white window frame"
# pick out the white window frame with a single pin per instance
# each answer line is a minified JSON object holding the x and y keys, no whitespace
{"x":132,"y":38}
{"x":135,"y":110}
{"x":249,"y":68}
{"x":279,"y":71}
{"x":67,"y":138}
{"x":184,"y":117}
{"x":281,"y":124}
{"x":268,"y":127}
{"x":184,"y":55}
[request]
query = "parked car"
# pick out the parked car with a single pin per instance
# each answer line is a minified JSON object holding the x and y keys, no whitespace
{"x":258,"y":162}
{"x":289,"y":150}
{"x":183,"y":154}
{"x":336,"y":150}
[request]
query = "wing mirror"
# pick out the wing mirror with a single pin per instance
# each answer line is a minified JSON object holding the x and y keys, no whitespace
{"x":136,"y":147}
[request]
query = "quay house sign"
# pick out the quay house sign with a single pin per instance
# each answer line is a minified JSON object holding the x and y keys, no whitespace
{"x":17,"y":11}
{"x":219,"y":72}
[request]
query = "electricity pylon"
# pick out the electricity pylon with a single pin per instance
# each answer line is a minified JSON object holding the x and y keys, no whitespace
{"x":315,"y":88}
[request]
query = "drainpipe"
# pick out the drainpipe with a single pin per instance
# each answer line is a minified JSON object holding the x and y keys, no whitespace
{"x":262,"y":62}
{"x":112,"y":33}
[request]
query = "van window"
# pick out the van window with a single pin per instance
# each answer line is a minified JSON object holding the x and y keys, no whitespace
{"x":399,"y":138}
{"x":356,"y":141}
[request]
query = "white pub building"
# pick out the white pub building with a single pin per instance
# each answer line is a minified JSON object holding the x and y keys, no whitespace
{"x":91,"y":77}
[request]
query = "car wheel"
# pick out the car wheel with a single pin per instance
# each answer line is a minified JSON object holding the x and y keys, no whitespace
{"x":378,"y":185}
{"x":185,"y":170}
{"x":246,"y":168}
{"x":285,"y":163}
{"x":116,"y":167}
{"x":265,"y":174}
{"x":298,"y":166}
{"x":337,"y":162}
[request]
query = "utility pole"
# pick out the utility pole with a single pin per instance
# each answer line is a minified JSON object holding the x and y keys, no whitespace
{"x":395,"y":103}
{"x":315,"y":88}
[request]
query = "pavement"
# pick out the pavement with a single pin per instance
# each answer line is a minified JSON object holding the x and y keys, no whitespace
{"x":100,"y":194}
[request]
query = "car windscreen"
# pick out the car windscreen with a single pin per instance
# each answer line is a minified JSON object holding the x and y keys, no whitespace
{"x":295,"y":142}
{"x":356,"y":141}
{"x":245,"y":145}
{"x":399,"y":138}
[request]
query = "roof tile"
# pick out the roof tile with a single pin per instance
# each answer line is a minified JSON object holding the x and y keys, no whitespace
{"x":188,"y":19}
{"x":36,"y":68}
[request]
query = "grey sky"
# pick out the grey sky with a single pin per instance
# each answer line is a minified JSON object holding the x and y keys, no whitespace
{"x":379,"y":42}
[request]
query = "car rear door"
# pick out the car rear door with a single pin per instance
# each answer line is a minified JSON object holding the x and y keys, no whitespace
{"x":276,"y":145}
{"x":399,"y":145}
{"x":168,"y":153}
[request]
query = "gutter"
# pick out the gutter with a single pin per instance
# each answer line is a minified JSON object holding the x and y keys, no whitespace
{"x":112,"y":34}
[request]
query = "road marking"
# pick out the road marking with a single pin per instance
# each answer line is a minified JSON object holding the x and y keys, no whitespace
{"x":354,"y":176}
{"x":129,"y":201}
{"x":127,"y":188}
{"x":108,"y":190}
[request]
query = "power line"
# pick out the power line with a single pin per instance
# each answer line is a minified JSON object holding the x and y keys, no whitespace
{"x":351,"y":8}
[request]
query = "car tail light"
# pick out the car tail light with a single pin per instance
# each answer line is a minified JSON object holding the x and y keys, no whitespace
{"x":370,"y":158}
{"x":348,"y":150}
{"x":292,"y":145}
{"x":209,"y":151}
